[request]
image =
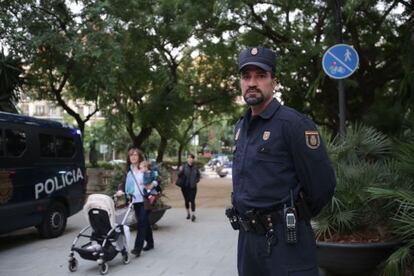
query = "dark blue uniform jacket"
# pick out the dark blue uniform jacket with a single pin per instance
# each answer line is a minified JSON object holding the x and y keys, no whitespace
{"x":273,"y":155}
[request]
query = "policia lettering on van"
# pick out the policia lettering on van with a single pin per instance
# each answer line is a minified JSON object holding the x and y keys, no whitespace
{"x":42,"y":174}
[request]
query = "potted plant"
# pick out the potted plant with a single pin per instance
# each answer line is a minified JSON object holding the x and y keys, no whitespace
{"x":355,"y":231}
{"x":401,"y":261}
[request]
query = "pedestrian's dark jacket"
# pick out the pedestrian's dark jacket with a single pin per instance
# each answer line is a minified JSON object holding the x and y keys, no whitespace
{"x":191,"y":174}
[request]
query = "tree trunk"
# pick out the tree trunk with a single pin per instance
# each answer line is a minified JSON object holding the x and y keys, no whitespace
{"x":7,"y":106}
{"x":180,"y":150}
{"x":142,"y":136}
{"x":161,"y":149}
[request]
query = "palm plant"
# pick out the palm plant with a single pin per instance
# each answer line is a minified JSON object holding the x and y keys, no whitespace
{"x":374,"y":200}
{"x":401,"y":262}
{"x":362,"y":159}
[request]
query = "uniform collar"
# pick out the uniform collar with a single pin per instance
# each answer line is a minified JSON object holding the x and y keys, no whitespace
{"x":269,"y":111}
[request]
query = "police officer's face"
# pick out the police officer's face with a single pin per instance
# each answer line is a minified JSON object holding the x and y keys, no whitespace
{"x":257,"y":85}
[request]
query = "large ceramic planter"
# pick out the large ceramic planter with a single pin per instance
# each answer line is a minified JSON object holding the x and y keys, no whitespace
{"x":353,"y":258}
{"x":154,"y":216}
{"x":157,"y":214}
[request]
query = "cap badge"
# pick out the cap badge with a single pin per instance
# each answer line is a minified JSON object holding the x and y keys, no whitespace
{"x":312,"y":139}
{"x":266,"y":135}
{"x":237,"y":134}
{"x":254,"y":51}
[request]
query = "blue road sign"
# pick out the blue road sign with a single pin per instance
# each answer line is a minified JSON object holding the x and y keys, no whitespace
{"x":340,"y":61}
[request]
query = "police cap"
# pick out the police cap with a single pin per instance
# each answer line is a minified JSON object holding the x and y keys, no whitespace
{"x":258,"y":56}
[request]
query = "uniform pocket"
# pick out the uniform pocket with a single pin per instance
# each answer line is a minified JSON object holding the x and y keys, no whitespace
{"x":264,"y":153}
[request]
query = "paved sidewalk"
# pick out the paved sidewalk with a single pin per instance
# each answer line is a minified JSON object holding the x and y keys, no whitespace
{"x":205,"y":247}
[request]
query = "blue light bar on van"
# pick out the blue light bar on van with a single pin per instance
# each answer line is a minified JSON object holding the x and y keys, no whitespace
{"x":76,"y":131}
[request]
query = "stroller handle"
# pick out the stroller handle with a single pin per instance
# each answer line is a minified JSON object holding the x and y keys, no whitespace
{"x":120,"y":199}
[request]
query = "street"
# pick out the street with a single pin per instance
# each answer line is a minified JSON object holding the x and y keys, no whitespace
{"x":205,"y":247}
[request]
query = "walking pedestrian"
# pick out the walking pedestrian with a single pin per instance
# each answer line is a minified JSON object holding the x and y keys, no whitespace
{"x":134,"y":184}
{"x":191,"y":176}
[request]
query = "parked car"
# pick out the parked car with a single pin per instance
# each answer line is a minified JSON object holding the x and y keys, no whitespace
{"x":219,"y":160}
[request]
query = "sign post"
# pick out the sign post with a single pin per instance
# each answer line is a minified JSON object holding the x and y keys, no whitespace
{"x":339,"y":62}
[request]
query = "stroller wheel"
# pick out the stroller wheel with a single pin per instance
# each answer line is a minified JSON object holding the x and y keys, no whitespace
{"x":103,"y":268}
{"x":73,"y":265}
{"x":125,"y":258}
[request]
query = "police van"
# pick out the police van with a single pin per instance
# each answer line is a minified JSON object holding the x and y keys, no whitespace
{"x":42,"y":174}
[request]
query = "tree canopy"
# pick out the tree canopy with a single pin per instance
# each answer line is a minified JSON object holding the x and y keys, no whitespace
{"x":166,"y":66}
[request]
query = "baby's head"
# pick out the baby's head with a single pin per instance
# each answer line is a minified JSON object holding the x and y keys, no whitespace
{"x":144,"y":165}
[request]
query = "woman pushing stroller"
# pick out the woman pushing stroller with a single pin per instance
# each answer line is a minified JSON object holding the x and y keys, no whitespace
{"x":135,"y":185}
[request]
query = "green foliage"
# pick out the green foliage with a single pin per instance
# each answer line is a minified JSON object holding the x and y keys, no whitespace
{"x":379,"y":93}
{"x":402,"y":259}
{"x":374,"y":191}
{"x":153,"y":68}
{"x":117,"y":178}
{"x":361,"y":160}
{"x":10,"y":82}
{"x":406,"y":158}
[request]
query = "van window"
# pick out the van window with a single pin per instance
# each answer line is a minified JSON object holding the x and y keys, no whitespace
{"x":56,"y":146}
{"x":65,"y":146}
{"x":47,"y":145}
{"x":15,"y":142}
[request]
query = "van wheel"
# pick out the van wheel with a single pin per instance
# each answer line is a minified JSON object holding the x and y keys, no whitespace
{"x":54,"y":221}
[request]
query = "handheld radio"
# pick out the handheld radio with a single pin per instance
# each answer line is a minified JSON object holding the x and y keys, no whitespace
{"x":289,"y":215}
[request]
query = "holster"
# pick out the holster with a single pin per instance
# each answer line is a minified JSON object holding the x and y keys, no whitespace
{"x":302,"y":209}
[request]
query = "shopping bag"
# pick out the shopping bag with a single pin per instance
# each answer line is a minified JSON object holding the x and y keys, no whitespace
{"x":180,"y":182}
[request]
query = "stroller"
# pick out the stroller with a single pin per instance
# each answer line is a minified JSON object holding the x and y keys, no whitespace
{"x":106,"y":238}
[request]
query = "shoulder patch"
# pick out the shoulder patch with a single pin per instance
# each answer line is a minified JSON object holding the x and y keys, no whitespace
{"x":312,"y":139}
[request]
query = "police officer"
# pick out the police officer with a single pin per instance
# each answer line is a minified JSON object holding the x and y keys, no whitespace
{"x":281,"y":177}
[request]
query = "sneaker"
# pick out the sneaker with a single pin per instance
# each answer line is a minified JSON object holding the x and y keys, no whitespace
{"x":192,"y":218}
{"x":188,"y":216}
{"x":136,"y":252}
{"x":148,"y":247}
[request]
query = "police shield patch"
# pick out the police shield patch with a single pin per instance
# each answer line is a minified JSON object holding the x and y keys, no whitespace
{"x":266,"y":135}
{"x":312,"y":139}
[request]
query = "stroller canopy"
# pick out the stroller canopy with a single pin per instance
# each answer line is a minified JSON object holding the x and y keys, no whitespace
{"x":102,"y":202}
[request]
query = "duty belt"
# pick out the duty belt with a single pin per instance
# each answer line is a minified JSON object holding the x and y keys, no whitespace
{"x":261,"y":221}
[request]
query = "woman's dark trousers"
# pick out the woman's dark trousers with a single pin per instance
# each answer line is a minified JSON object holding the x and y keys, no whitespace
{"x":144,"y":231}
{"x":189,"y":197}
